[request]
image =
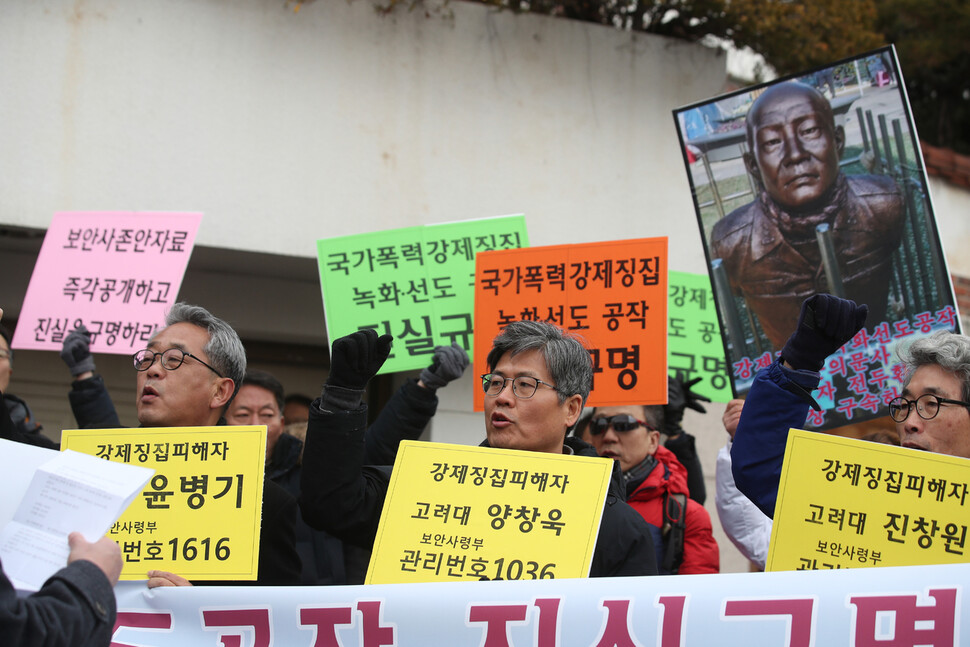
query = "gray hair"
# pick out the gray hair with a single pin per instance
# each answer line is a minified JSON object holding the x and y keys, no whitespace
{"x":224,"y":348}
{"x":948,"y":350}
{"x":567,"y":359}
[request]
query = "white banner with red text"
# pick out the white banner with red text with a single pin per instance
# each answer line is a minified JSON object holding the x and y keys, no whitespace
{"x":910,"y":605}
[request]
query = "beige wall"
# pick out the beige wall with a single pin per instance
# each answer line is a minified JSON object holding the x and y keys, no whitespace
{"x":284,"y":127}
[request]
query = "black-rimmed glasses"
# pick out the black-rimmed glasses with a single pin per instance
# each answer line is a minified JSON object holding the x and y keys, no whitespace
{"x":927,"y":406}
{"x":171,"y":359}
{"x":523,"y":387}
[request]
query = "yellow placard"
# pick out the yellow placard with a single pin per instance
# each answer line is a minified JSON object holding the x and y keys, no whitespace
{"x":199,"y":515}
{"x":845,"y":503}
{"x":457,"y":513}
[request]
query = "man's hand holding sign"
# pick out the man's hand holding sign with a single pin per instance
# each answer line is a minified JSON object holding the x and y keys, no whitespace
{"x":345,"y":498}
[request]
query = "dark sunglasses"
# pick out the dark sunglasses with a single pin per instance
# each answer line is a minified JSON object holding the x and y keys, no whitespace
{"x":620,"y":422}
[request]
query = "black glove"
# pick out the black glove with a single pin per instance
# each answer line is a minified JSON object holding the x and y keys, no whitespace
{"x":76,"y":351}
{"x":680,"y":397}
{"x":356,"y":358}
{"x":449,"y":363}
{"x":825,"y":323}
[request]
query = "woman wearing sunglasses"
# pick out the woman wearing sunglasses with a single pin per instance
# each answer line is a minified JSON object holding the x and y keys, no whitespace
{"x":655,"y":480}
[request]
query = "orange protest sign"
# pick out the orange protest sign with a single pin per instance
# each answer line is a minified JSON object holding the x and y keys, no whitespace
{"x":612,"y":294}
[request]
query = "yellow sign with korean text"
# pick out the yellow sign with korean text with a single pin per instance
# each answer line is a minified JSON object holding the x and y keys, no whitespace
{"x":457,"y":513}
{"x":846,"y":503}
{"x":199,"y":515}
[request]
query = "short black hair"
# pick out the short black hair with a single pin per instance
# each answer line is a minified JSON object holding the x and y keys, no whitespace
{"x":262,"y":379}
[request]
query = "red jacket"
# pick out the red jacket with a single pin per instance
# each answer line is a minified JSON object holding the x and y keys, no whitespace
{"x":700,"y":549}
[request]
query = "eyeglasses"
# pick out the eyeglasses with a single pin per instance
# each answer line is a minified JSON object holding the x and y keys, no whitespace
{"x":621,"y":422}
{"x":927,"y":406}
{"x":171,"y":359}
{"x":523,"y":387}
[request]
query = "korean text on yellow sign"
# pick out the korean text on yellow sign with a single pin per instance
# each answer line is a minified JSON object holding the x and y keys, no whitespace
{"x":456,"y":513}
{"x":199,"y":515}
{"x":613,"y":294}
{"x":845,"y":503}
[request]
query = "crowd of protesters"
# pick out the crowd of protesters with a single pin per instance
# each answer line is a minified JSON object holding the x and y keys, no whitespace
{"x":324,"y":491}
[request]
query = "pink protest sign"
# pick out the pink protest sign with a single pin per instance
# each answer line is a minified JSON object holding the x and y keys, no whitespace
{"x":114,"y":272}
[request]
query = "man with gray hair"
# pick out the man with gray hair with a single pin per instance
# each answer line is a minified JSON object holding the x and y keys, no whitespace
{"x":207,"y":346}
{"x":535,"y":391}
{"x":937,"y":386}
{"x":186,"y":377}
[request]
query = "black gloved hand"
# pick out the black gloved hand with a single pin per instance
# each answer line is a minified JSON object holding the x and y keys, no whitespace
{"x":825,"y":323}
{"x":679,"y":398}
{"x":356,"y":358}
{"x":76,"y":351}
{"x":449,"y":364}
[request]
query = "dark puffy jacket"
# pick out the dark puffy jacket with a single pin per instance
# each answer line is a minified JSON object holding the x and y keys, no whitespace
{"x":773,"y":406}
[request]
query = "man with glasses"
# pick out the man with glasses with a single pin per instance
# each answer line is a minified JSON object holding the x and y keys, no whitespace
{"x":538,"y":381}
{"x":76,"y":605}
{"x":656,"y":487}
{"x":186,"y":377}
{"x":933,"y":413}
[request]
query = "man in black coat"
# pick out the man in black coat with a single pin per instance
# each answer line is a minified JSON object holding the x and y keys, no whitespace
{"x":187,"y":377}
{"x":540,"y":378}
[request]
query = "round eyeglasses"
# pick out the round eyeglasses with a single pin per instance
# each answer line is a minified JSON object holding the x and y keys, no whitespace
{"x":927,"y":406}
{"x":523,"y":387}
{"x":171,"y":359}
{"x":621,"y":422}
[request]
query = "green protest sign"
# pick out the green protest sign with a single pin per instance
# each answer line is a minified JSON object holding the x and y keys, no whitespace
{"x":694,"y":347}
{"x":415,"y":283}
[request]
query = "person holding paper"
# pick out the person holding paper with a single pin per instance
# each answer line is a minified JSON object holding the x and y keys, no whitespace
{"x":76,"y":605}
{"x":932,"y":414}
{"x":540,"y":378}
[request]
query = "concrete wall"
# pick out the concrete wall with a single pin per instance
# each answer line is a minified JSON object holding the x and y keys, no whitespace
{"x":952,"y":206}
{"x":284,"y":127}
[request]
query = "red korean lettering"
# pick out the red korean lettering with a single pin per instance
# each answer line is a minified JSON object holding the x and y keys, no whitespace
{"x":617,"y":631}
{"x":497,"y":618}
{"x":324,"y":620}
{"x":239,"y":622}
{"x":906,"y":614}
{"x":373,"y":633}
{"x":798,"y":612}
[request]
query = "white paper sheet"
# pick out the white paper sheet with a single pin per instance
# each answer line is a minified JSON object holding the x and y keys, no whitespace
{"x":67,"y":492}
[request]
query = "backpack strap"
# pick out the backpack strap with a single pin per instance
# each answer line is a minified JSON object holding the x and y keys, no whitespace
{"x":674,"y":522}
